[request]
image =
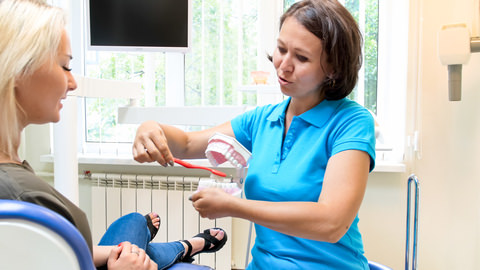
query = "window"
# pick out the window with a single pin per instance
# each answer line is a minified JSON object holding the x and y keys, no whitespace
{"x":230,"y":39}
{"x":224,"y":51}
{"x":365,"y":13}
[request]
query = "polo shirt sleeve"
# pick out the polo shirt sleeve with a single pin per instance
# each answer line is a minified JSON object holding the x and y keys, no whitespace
{"x":355,"y":131}
{"x":245,"y":125}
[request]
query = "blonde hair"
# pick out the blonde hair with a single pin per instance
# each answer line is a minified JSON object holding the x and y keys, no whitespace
{"x":30,"y":32}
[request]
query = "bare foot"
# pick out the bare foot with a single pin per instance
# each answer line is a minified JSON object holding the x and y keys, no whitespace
{"x":155,"y":219}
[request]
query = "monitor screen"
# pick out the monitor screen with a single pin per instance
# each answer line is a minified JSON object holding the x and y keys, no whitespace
{"x":151,"y":25}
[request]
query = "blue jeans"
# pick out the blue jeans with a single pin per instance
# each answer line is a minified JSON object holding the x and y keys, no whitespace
{"x":133,"y":228}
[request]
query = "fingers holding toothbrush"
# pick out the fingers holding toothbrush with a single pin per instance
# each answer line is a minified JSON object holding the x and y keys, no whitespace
{"x":151,"y":145}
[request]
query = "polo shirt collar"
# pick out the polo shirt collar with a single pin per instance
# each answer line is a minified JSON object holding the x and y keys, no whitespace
{"x":326,"y":108}
{"x":278,"y":113}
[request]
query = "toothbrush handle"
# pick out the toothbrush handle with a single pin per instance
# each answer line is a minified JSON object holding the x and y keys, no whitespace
{"x":191,"y":166}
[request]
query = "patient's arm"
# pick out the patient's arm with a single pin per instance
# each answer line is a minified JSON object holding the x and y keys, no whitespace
{"x":100,"y":254}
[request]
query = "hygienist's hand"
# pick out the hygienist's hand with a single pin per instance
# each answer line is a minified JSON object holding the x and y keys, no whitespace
{"x":213,"y":203}
{"x":151,"y":145}
{"x":128,"y":256}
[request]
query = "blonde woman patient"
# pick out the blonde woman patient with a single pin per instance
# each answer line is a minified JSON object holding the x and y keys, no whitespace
{"x":35,"y":56}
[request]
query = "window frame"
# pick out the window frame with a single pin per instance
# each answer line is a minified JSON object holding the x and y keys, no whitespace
{"x":392,"y":67}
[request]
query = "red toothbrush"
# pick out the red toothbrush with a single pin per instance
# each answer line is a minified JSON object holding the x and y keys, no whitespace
{"x":192,"y":166}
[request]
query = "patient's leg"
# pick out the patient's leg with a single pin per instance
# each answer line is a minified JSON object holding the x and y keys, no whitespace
{"x":131,"y":227}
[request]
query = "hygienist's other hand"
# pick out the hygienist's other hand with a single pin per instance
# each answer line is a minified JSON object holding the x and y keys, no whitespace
{"x":213,"y":203}
{"x":127,"y":256}
{"x":150,"y":144}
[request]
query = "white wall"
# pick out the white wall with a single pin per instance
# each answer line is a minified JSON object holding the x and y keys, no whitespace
{"x":449,"y":167}
{"x":451,"y":152}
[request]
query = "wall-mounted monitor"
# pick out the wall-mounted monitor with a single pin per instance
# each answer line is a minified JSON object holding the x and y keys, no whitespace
{"x":139,"y":25}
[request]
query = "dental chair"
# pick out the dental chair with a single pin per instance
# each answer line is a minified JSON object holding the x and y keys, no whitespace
{"x":34,"y":237}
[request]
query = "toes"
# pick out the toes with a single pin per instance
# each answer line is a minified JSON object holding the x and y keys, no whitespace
{"x":220,"y":235}
{"x":156,"y":222}
{"x":217,"y":233}
{"x":155,"y":219}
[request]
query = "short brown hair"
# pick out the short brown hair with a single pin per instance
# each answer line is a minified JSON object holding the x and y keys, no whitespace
{"x":342,"y":42}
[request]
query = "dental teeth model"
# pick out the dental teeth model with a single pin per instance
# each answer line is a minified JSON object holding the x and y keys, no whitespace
{"x":230,"y":188}
{"x":222,"y":148}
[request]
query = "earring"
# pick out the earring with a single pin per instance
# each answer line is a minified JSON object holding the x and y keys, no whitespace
{"x":332,"y":83}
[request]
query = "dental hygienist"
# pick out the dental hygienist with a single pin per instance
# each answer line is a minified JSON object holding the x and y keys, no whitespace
{"x":311,"y":154}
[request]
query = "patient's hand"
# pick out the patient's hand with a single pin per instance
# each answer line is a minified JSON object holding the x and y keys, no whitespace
{"x":151,"y":145}
{"x":128,"y":256}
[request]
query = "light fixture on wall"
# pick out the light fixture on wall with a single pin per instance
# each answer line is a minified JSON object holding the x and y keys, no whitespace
{"x":454,"y":48}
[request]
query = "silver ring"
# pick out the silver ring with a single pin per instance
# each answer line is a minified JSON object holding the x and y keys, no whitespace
{"x":136,"y":252}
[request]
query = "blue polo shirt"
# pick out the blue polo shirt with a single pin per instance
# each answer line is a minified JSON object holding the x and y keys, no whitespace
{"x":292,"y":169}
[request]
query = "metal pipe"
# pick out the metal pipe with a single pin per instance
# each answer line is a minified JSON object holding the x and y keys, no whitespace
{"x":412,"y":179}
{"x":248,"y":244}
{"x":455,"y":73}
{"x":475,"y":44}
{"x":454,"y":82}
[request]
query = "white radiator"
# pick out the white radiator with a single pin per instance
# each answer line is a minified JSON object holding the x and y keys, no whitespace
{"x":114,"y":195}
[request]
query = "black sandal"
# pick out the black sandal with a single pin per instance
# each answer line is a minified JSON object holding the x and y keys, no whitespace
{"x":153,"y":230}
{"x":209,"y":240}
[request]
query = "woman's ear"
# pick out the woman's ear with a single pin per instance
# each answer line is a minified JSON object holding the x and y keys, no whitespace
{"x":18,"y":82}
{"x":331,"y":74}
{"x":15,"y":83}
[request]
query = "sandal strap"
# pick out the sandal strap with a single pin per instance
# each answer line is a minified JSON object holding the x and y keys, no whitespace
{"x":207,"y":247}
{"x":153,"y":230}
{"x":209,"y":240}
{"x":188,"y":257}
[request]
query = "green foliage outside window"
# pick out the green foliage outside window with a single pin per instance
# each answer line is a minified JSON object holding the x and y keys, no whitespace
{"x":370,"y":52}
{"x":101,"y":124}
{"x":370,"y":48}
{"x":213,"y":63}
{"x":219,"y":62}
